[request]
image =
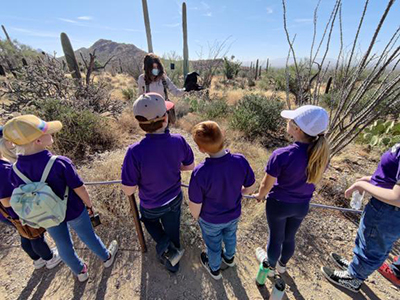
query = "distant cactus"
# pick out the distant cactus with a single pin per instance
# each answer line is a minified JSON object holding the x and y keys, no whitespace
{"x":6,"y":34}
{"x":70,"y":56}
{"x":2,"y":71}
{"x":256,"y":75}
{"x":147,"y":25}
{"x":267,"y":65}
{"x":382,"y":134}
{"x":185,"y":41}
{"x":328,"y":85}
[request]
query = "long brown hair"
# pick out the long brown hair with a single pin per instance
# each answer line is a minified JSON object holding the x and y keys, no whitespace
{"x":149,"y":60}
{"x":318,"y":158}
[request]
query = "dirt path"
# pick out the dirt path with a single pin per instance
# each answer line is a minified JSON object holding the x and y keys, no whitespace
{"x":138,"y":276}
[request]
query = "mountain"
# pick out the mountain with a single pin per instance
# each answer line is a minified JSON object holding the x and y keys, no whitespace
{"x":125,"y":55}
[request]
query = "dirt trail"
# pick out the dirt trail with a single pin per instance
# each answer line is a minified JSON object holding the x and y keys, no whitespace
{"x":138,"y":276}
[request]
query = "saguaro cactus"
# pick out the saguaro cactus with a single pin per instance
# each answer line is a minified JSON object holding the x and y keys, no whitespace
{"x":255,"y":77}
{"x":70,"y":56}
{"x":5,"y":32}
{"x":267,"y":66}
{"x":147,"y":25}
{"x":185,"y":41}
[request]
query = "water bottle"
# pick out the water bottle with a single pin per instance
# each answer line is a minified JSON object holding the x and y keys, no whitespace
{"x":356,"y":200}
{"x":262,"y":272}
{"x":279,"y":289}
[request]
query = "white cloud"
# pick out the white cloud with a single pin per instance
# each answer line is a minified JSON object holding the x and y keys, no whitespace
{"x":68,"y":21}
{"x":35,"y":33}
{"x":303,"y":20}
{"x":172,"y":25}
{"x":205,"y":5}
{"x":209,"y":14}
{"x":85,"y":18}
{"x":269,"y":10}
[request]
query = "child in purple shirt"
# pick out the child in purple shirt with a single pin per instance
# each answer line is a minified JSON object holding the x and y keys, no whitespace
{"x":154,"y":165}
{"x":37,"y":249}
{"x":289,"y":182}
{"x":215,"y":193}
{"x":32,"y":136}
{"x":379,"y":227}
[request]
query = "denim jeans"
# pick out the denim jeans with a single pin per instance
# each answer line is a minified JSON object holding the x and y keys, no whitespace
{"x":213,"y":235}
{"x":36,"y":248}
{"x":284,"y":220}
{"x":83,"y":228}
{"x":163,"y":224}
{"x":377,"y":232}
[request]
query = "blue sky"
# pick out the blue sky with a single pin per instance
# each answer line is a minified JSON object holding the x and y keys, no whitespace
{"x":253,"y":27}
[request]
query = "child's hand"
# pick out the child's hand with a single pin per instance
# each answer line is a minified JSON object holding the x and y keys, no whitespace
{"x":258,"y":198}
{"x":350,"y":190}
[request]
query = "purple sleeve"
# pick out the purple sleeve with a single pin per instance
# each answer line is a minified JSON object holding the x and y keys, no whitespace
{"x":195,"y":190}
{"x":273,"y":167}
{"x":188,"y":154}
{"x":72,"y":178}
{"x":250,"y":178}
{"x":6,"y":189}
{"x":398,"y":168}
{"x":130,"y":171}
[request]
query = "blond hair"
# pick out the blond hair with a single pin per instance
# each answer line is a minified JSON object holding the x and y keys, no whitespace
{"x":318,"y":158}
{"x":208,"y":136}
{"x":6,"y":152}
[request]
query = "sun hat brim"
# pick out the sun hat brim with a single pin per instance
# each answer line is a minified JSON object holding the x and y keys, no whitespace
{"x":169,"y":105}
{"x":53,"y":127}
{"x":288,"y":114}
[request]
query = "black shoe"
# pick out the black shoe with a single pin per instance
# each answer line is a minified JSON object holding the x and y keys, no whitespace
{"x":343,"y":279}
{"x":340,"y":261}
{"x":204,"y":261}
{"x":228,"y":262}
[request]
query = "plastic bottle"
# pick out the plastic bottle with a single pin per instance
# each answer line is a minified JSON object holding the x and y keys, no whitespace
{"x":356,"y":200}
{"x":262,"y":272}
{"x":279,"y":289}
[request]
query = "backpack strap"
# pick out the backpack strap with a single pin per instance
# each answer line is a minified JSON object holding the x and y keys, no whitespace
{"x":4,"y":212}
{"x":48,"y":167}
{"x":20,"y":175}
{"x":165,"y":84}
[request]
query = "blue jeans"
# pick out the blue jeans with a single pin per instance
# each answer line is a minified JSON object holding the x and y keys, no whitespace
{"x":213,"y":235}
{"x":84,"y":230}
{"x":163,"y":224}
{"x":284,"y":219}
{"x":379,"y":229}
{"x":37,"y":248}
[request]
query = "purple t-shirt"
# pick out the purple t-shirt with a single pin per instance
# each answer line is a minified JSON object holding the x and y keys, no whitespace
{"x":387,"y":175}
{"x":154,"y":165}
{"x":62,"y":173}
{"x":289,"y":166}
{"x":6,"y":187}
{"x":217,"y":184}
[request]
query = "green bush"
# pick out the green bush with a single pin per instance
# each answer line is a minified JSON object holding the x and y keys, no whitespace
{"x":231,"y":68}
{"x":128,"y":94}
{"x":257,"y":114}
{"x":210,"y":109}
{"x":84,"y":132}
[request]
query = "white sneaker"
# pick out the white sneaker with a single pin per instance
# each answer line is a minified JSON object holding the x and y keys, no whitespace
{"x":262,"y":255}
{"x":113,"y":249}
{"x":281,"y":269}
{"x":84,"y":275}
{"x":39,"y":263}
{"x":52,"y":263}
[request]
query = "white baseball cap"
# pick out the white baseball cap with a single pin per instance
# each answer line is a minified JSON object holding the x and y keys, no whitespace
{"x":151,"y":106}
{"x":312,"y":119}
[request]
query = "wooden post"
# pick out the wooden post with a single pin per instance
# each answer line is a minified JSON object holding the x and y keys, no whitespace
{"x":147,"y":25}
{"x":138,"y":225}
{"x":185,"y":42}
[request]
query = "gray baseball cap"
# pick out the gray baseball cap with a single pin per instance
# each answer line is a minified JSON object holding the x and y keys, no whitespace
{"x":151,"y":106}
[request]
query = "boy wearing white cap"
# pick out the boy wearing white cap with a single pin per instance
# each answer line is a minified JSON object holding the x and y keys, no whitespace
{"x":154,"y":164}
{"x":289,"y":182}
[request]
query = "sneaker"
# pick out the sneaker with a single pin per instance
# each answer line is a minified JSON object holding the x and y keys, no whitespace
{"x":54,"y":262}
{"x":84,"y":275}
{"x":343,"y":279}
{"x":340,"y":261}
{"x":204,"y":261}
{"x":228,"y":262}
{"x":388,"y":273}
{"x":39,"y":263}
{"x":112,"y":249}
{"x":174,"y":255}
{"x":262,"y":255}
{"x":281,"y":268}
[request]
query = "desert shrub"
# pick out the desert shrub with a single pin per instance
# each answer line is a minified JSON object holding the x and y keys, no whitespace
{"x":208,"y":108}
{"x":128,"y":94}
{"x":256,"y":114}
{"x":84,"y":132}
{"x":231,"y":68}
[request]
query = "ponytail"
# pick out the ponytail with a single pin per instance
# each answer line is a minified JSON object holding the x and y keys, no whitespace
{"x":6,"y":152}
{"x":318,"y":157}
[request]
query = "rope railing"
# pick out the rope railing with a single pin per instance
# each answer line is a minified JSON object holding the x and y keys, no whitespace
{"x":244,"y":196}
